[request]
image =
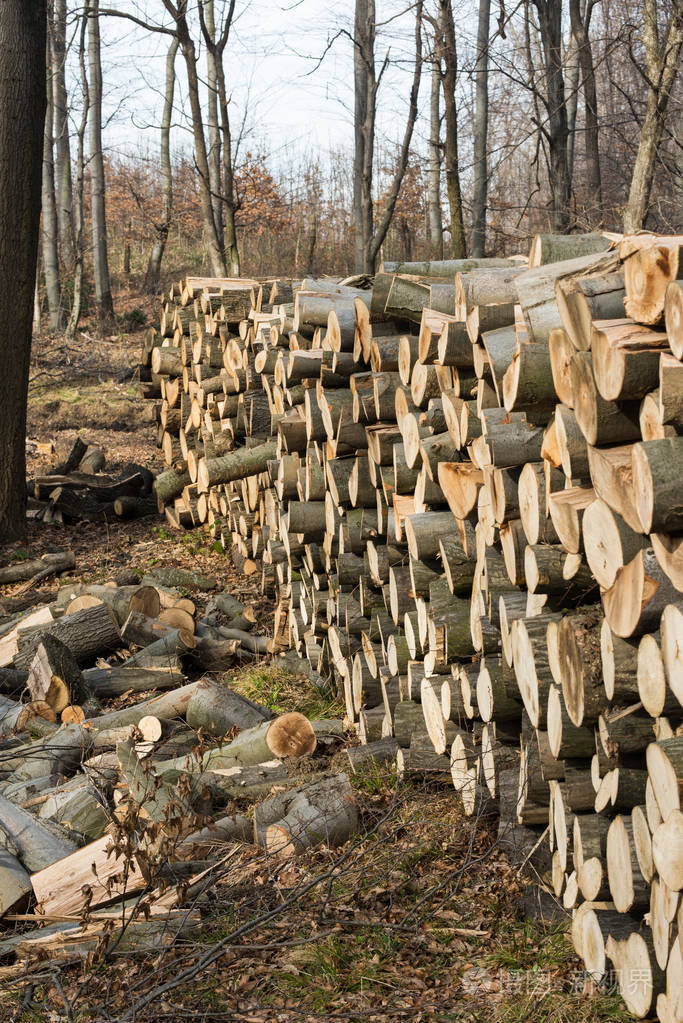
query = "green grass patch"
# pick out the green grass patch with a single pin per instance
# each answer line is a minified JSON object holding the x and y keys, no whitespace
{"x":283,"y":692}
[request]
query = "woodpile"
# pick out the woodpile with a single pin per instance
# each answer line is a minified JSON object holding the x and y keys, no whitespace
{"x":77,"y":489}
{"x":462,"y":483}
{"x":120,"y":815}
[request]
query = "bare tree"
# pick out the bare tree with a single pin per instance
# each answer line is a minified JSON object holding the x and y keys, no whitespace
{"x":580,"y":14}
{"x":48,"y":201}
{"x":227,"y":229}
{"x":662,"y":63}
{"x":556,"y":132}
{"x":449,"y":78}
{"x":481,"y":128}
{"x":572,"y":75}
{"x":368,"y":236}
{"x":22,"y":111}
{"x":434,"y":190}
{"x":61,"y":135}
{"x":212,"y":118}
{"x":105,"y":305}
{"x":79,"y":191}
{"x":178,"y":12}
{"x":163,"y":226}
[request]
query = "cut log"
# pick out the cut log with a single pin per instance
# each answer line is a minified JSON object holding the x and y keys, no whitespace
{"x":218,"y":710}
{"x":672,"y":648}
{"x":38,"y":844}
{"x":54,"y":675}
{"x":657,"y":468}
{"x":641,"y":591}
{"x":86,"y":633}
{"x":583,"y":300}
{"x":290,"y":735}
{"x":667,"y":851}
{"x":90,"y":876}
{"x":665,"y":768}
{"x":673,"y":314}
{"x":609,"y":542}
{"x":626,"y":359}
{"x":647,"y":273}
{"x":627,"y":885}
{"x":601,"y":422}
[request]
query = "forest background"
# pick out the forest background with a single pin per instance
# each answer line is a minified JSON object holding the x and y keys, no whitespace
{"x":269,"y":138}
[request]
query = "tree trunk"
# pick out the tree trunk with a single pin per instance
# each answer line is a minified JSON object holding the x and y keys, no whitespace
{"x":22,"y":112}
{"x":368,"y":239}
{"x":449,"y":77}
{"x":365,"y":93}
{"x":662,"y":69}
{"x":163,"y":227}
{"x":481,"y":125}
{"x":78,"y":213}
{"x":571,"y":59}
{"x":216,"y":253}
{"x":229,"y":198}
{"x":61,"y":135}
{"x":435,"y":216}
{"x":550,"y":24}
{"x":580,"y":28}
{"x":49,"y":206}
{"x":214,"y":154}
{"x":105,"y":304}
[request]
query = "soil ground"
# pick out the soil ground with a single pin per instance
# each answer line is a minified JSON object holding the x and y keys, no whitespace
{"x":421,"y":918}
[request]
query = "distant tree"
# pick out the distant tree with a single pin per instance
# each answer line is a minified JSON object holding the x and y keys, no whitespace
{"x":50,"y":233}
{"x":581,"y":13}
{"x":369,"y":235}
{"x":63,"y":177}
{"x":22,"y":113}
{"x":79,"y":191}
{"x":449,"y":78}
{"x":163,"y":224}
{"x":557,"y":130}
{"x":434,"y":185}
{"x":662,"y":63}
{"x":481,"y":129}
{"x":105,"y":304}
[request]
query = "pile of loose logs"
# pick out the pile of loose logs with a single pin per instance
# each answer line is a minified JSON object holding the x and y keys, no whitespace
{"x":464,"y":487}
{"x":123,"y":783}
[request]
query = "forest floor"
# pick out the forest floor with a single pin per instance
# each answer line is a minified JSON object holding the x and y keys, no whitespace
{"x":420,"y":918}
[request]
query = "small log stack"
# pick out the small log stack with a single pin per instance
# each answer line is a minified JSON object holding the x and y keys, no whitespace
{"x":464,"y":488}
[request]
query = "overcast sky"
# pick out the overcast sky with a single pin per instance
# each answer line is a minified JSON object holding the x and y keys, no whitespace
{"x":291,"y":99}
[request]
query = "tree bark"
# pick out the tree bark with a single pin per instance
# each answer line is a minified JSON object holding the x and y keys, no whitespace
{"x":164,"y":225}
{"x":449,"y":76}
{"x":105,"y":304}
{"x":557,"y":133}
{"x":61,"y":135}
{"x":212,"y":124}
{"x":662,"y":64}
{"x":580,"y":30}
{"x":435,"y":216}
{"x":368,"y":237}
{"x":215,"y":251}
{"x":78,"y":213}
{"x":50,"y":246}
{"x":22,"y":112}
{"x":481,"y":125}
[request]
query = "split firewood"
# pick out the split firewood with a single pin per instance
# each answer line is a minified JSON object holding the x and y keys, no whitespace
{"x":54,"y":675}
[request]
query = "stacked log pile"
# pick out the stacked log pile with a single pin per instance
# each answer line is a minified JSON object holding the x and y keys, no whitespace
{"x":116,"y":812}
{"x":463,"y":486}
